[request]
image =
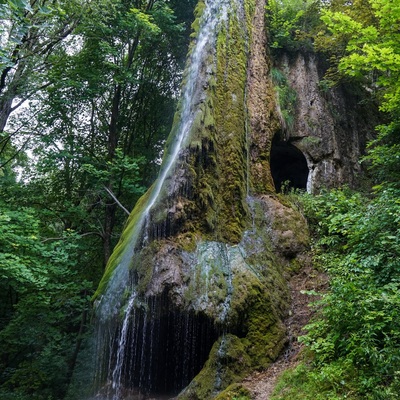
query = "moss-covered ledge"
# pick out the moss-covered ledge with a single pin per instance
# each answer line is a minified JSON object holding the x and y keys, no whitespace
{"x":209,"y":245}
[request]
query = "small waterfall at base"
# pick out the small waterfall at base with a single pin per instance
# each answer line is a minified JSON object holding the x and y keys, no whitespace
{"x":150,"y":346}
{"x":157,"y":351}
{"x":122,"y":342}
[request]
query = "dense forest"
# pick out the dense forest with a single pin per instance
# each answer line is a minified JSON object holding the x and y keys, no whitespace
{"x":87,"y":96}
{"x":353,"y":347}
{"x":88,"y":91}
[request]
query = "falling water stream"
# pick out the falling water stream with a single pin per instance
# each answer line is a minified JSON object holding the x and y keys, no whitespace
{"x":214,"y":14}
{"x":122,"y":343}
{"x":133,"y":351}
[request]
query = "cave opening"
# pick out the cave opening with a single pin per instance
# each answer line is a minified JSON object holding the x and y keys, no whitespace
{"x":168,"y":348}
{"x":288,"y":166}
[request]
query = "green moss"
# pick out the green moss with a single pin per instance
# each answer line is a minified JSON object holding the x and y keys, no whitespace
{"x":234,"y":392}
{"x":295,"y":265}
{"x":142,"y":263}
{"x":230,"y":120}
{"x":259,"y":312}
{"x":187,"y":241}
{"x":217,"y":163}
{"x":124,"y":241}
{"x":227,"y":363}
{"x":266,"y":333}
{"x":218,"y":133}
{"x":198,"y":12}
{"x":249,"y":7}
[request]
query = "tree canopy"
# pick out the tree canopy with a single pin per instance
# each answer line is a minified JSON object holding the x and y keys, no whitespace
{"x":88,"y":91}
{"x":354,"y":338}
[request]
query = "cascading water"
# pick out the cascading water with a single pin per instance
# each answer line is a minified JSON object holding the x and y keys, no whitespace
{"x":215,"y":13}
{"x":194,"y":296}
{"x":132,"y":357}
{"x":122,"y":343}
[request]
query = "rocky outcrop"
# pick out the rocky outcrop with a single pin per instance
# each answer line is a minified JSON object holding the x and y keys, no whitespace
{"x":196,"y":291}
{"x":331,"y":126}
{"x":240,"y":288}
{"x":261,"y":105}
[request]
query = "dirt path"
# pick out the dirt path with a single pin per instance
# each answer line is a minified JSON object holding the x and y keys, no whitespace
{"x":262,"y":384}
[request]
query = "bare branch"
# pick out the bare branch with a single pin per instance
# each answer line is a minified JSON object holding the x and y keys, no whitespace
{"x":116,"y":200}
{"x":65,"y":238}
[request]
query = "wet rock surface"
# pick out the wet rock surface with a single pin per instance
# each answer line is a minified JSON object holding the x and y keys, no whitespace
{"x":240,"y":289}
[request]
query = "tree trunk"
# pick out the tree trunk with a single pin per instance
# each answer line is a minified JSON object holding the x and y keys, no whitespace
{"x":74,"y":358}
{"x":110,"y":208}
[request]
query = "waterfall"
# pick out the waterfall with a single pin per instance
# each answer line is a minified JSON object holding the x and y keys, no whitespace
{"x":127,"y":365}
{"x":194,"y":296}
{"x":214,"y":14}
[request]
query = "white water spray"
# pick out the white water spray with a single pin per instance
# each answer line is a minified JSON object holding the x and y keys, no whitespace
{"x":117,"y":372}
{"x":214,"y":14}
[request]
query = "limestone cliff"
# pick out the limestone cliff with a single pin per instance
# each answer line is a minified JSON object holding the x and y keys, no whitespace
{"x":196,"y":291}
{"x":331,"y":126}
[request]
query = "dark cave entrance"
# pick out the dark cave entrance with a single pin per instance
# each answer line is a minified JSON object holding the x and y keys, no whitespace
{"x":288,"y":166}
{"x":168,"y":348}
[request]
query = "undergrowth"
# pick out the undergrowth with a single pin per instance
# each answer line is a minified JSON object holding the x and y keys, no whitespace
{"x":286,"y":97}
{"x":353,"y":343}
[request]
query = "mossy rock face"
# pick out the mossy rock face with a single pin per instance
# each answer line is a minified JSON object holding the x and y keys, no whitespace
{"x":212,"y":244}
{"x":287,"y":226}
{"x":257,"y":343}
{"x":242,"y":288}
{"x":217,"y":279}
{"x":227,"y":363}
{"x":205,"y":192}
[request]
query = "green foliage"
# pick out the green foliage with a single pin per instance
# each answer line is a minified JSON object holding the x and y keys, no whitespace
{"x":99,"y":121}
{"x":362,"y":40}
{"x":383,"y":156}
{"x":291,"y":23}
{"x":42,"y":301}
{"x":286,"y":96}
{"x":333,"y":381}
{"x":355,"y":338}
{"x":22,"y":16}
